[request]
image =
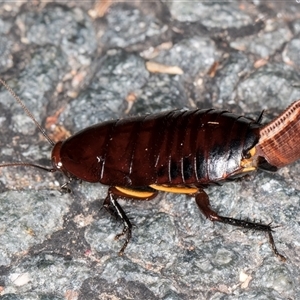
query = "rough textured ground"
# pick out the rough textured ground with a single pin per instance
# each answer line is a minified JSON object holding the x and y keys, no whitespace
{"x":78,"y":63}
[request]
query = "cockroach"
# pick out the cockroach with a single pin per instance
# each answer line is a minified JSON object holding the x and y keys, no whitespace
{"x":179,"y":151}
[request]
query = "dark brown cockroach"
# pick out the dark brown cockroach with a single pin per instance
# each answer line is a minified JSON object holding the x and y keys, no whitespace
{"x":181,"y":151}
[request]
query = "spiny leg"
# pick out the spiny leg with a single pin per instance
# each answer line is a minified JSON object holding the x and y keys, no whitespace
{"x":114,"y":208}
{"x":202,"y":201}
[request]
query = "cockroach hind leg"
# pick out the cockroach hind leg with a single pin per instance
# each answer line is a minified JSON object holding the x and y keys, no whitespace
{"x":126,"y":231}
{"x":113,"y":207}
{"x":271,"y":241}
{"x":202,"y":201}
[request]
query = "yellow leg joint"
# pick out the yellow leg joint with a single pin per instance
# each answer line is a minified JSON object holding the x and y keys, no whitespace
{"x":174,"y":189}
{"x":134,"y":193}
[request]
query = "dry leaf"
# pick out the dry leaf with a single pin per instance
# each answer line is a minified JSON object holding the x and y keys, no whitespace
{"x":154,"y":67}
{"x":101,"y":7}
{"x":213,"y":69}
{"x":259,"y":63}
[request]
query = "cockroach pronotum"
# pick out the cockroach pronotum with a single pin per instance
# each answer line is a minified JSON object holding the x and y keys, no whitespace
{"x":181,"y":151}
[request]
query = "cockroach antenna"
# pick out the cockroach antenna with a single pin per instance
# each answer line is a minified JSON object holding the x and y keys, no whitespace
{"x":29,"y":114}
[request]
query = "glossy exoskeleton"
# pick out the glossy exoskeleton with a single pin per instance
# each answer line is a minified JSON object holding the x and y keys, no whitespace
{"x":178,"y":151}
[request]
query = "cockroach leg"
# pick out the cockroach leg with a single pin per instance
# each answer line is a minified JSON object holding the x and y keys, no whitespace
{"x":271,"y":241}
{"x":202,"y":201}
{"x":114,"y":208}
{"x":65,"y":186}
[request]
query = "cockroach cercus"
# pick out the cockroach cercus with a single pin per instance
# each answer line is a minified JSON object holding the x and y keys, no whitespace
{"x":181,"y":151}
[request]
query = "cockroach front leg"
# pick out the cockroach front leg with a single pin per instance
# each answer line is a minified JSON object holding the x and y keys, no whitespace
{"x":202,"y":201}
{"x":114,"y":208}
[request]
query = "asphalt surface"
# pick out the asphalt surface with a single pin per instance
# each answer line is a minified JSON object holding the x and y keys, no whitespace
{"x":79,"y":63}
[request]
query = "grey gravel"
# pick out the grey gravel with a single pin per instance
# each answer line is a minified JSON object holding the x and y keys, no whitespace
{"x":199,"y":54}
{"x":72,"y":30}
{"x":274,"y":36}
{"x":212,"y":15}
{"x":121,"y":33}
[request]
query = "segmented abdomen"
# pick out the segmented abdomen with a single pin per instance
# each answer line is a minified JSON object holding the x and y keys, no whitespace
{"x":177,"y":147}
{"x":173,"y":148}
